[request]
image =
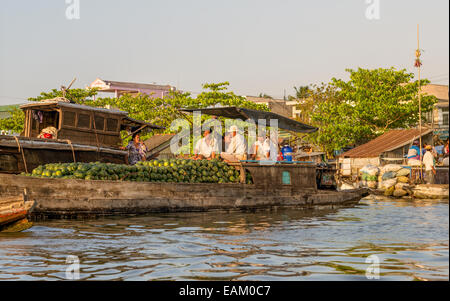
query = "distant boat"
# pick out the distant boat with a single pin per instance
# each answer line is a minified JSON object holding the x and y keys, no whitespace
{"x":14,"y":212}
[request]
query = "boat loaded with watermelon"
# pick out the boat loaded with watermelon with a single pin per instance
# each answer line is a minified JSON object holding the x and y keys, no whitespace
{"x":61,"y":177}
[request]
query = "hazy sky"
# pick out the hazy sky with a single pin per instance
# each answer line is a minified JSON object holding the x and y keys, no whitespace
{"x":256,"y":45}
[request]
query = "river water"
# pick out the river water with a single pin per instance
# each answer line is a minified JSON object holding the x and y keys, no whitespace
{"x":409,"y":238}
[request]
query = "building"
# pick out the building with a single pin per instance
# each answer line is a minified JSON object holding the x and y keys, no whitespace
{"x":438,"y":119}
{"x":391,"y":147}
{"x":121,"y":88}
{"x":277,"y":106}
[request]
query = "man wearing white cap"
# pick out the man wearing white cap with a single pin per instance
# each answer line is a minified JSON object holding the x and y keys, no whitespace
{"x":237,"y":146}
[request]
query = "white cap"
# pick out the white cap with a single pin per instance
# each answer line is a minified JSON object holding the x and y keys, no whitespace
{"x":233,"y":128}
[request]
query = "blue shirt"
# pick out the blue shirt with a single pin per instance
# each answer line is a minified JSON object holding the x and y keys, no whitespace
{"x":415,"y":147}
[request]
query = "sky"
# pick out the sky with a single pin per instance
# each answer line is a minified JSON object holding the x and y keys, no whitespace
{"x":259,"y":46}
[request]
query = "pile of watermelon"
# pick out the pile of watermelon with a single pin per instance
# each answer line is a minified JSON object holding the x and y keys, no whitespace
{"x":168,"y":171}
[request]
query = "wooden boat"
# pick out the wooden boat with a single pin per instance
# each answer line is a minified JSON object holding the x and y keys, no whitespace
{"x":84,"y":134}
{"x":283,"y":184}
{"x":279,"y":186}
{"x":14,"y":213}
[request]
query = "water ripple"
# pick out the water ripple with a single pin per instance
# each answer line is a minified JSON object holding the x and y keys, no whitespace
{"x":410,"y":238}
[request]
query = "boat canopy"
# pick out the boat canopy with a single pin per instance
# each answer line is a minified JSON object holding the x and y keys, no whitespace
{"x":128,"y":121}
{"x":255,"y":115}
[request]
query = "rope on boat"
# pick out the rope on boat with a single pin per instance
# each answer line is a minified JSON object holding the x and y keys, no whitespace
{"x":23,"y":153}
{"x":73,"y":151}
{"x":96,"y":136}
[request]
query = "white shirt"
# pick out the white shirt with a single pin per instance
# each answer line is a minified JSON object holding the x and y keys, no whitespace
{"x":237,"y":145}
{"x":260,"y":150}
{"x":273,"y":153}
{"x":206,"y":146}
{"x":428,"y":161}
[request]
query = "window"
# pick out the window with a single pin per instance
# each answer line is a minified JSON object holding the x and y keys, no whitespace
{"x":84,"y":121}
{"x":99,"y":123}
{"x":69,"y":118}
{"x":111,"y":124}
{"x":34,"y":124}
{"x":286,"y":178}
{"x":445,"y":116}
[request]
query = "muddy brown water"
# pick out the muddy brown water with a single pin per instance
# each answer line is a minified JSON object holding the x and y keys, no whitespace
{"x":410,"y":239}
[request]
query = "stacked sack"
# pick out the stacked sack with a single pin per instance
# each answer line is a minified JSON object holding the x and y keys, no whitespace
{"x":394,"y":180}
{"x":369,"y":176}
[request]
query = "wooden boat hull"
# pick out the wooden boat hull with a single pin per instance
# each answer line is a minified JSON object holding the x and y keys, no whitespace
{"x":13,"y":214}
{"x":39,"y":151}
{"x":60,"y":197}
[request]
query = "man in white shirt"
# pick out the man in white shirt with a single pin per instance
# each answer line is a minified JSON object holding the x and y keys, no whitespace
{"x":271,"y":149}
{"x":260,"y":149}
{"x":428,"y":161}
{"x":237,"y":146}
{"x":206,"y":147}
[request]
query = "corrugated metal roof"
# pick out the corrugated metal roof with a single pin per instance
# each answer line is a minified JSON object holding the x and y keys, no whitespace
{"x":440,"y":91}
{"x":387,"y":142}
{"x":244,"y":114}
{"x":157,"y":140}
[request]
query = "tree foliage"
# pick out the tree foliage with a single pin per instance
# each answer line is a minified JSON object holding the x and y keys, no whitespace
{"x":163,"y":111}
{"x":302,"y":92}
{"x":159,"y":111}
{"x":75,"y":95}
{"x":15,"y":122}
{"x":264,"y":95}
{"x":366,"y":106}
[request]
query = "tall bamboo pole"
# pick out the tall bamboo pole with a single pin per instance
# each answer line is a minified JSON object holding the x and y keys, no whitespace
{"x":420,"y":100}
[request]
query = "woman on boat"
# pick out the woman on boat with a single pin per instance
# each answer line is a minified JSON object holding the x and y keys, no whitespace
{"x":136,"y":150}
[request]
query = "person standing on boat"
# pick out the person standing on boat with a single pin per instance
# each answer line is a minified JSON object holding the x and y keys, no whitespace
{"x":207,"y":147}
{"x":136,"y":150}
{"x":414,"y":154}
{"x":428,"y":161}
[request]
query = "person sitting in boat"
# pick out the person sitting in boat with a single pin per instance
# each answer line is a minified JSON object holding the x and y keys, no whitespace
{"x":48,"y":133}
{"x":414,"y":154}
{"x":237,"y":146}
{"x":260,"y":150}
{"x":136,"y":150}
{"x":207,"y":147}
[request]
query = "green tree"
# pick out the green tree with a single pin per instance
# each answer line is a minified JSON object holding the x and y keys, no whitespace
{"x":264,"y":95}
{"x":75,"y":95}
{"x":163,"y":111}
{"x":13,"y":123}
{"x":302,"y":92}
{"x":369,"y":104}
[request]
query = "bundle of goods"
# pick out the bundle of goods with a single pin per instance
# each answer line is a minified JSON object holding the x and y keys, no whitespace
{"x":394,"y":180}
{"x":170,"y":171}
{"x":369,"y":176}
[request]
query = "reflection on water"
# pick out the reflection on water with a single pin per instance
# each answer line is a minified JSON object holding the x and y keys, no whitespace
{"x":409,"y":237}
